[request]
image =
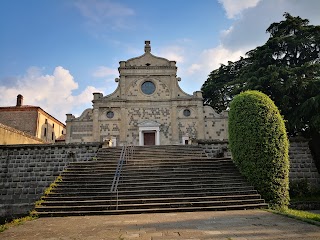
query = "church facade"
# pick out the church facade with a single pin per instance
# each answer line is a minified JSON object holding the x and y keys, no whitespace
{"x":147,"y":108}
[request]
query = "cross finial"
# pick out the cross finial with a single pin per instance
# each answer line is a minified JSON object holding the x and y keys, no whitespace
{"x":147,"y":47}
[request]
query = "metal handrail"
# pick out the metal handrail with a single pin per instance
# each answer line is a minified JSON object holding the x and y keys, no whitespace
{"x":126,"y":153}
{"x":117,"y":174}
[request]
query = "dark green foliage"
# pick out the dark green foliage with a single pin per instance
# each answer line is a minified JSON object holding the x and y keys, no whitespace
{"x":286,"y":68}
{"x":259,"y":145}
{"x":314,"y":144}
{"x":301,"y":188}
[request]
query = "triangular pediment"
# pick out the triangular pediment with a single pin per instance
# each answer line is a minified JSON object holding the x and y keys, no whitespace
{"x":147,"y":60}
{"x":148,"y":123}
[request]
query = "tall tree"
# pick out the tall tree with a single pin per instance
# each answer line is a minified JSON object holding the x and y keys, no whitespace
{"x":286,"y":68}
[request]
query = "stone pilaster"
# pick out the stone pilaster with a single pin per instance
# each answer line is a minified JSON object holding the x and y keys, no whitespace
{"x":174,"y":124}
{"x":123,"y":124}
{"x":200,"y":121}
{"x":96,"y":130}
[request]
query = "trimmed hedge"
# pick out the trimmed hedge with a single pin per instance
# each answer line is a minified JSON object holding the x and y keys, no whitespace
{"x":259,"y":145}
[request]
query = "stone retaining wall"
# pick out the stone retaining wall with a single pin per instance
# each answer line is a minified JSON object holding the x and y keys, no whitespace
{"x":27,"y":170}
{"x":302,"y":164}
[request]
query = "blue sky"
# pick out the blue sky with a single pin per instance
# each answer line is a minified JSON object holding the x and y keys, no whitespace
{"x":57,"y":52}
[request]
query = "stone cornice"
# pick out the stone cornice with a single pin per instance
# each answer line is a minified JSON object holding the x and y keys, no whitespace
{"x":147,"y":67}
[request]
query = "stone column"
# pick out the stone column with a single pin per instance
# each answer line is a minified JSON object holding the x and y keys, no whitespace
{"x":158,"y":137}
{"x":140,"y":138}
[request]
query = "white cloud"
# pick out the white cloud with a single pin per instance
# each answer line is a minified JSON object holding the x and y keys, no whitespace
{"x":211,"y":59}
{"x":173,"y":53}
{"x":195,"y":67}
{"x":235,"y":7}
{"x":249,"y":31}
{"x":53,"y":93}
{"x":103,"y":71}
{"x":194,"y":75}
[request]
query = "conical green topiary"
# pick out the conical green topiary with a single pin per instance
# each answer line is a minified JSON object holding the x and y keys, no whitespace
{"x":259,"y":145}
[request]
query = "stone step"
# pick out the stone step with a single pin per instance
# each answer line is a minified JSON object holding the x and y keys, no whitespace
{"x":149,"y":164}
{"x":169,"y":204}
{"x":180,"y":174}
{"x":154,"y":179}
{"x":184,"y":160}
{"x":165,"y":169}
{"x":129,"y":182}
{"x":125,"y":195}
{"x":164,"y":186}
{"x":113,"y":201}
{"x":160,"y":178}
{"x":153,"y":165}
{"x":108,"y":196}
{"x":182,"y":189}
{"x":154,"y":210}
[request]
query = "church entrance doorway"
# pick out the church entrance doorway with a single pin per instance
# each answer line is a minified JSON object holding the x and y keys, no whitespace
{"x":149,"y":138}
{"x":149,"y":133}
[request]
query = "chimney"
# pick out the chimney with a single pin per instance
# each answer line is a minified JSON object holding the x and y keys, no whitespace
{"x":19,"y":100}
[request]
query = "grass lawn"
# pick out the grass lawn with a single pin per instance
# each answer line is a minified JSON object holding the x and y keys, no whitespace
{"x":305,"y":216}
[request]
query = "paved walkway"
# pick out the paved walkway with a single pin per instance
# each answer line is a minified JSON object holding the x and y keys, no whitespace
{"x":230,"y":225}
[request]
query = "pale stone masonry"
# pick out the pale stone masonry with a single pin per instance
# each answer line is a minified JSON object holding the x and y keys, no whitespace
{"x":147,"y":108}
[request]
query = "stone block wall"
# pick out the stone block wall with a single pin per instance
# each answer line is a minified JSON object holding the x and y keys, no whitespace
{"x":27,"y":170}
{"x":302,"y":164}
{"x":215,"y":148}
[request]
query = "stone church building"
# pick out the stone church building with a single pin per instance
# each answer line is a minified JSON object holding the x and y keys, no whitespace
{"x":147,"y":108}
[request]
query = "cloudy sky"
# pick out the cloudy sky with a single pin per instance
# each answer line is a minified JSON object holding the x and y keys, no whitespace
{"x":56,"y":53}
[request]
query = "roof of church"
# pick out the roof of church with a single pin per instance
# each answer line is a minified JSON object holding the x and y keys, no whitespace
{"x":148,"y":59}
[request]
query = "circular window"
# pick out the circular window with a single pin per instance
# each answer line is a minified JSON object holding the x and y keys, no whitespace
{"x":148,"y":87}
{"x":110,"y":114}
{"x":186,"y":112}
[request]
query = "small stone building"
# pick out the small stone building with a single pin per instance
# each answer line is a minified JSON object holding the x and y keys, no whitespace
{"x":147,"y":108}
{"x":32,"y":120}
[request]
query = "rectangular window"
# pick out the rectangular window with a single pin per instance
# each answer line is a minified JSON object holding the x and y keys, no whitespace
{"x":52,"y":136}
{"x":45,"y":132}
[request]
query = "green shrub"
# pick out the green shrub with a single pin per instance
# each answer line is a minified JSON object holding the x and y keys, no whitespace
{"x":300,"y":188}
{"x":259,"y":145}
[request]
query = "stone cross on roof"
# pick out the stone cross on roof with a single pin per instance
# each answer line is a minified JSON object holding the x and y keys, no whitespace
{"x":147,"y":47}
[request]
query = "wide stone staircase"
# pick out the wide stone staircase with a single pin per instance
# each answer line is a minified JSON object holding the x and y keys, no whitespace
{"x":154,"y":179}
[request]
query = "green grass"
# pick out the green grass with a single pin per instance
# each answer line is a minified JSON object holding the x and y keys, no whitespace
{"x":18,"y":221}
{"x":305,"y":216}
